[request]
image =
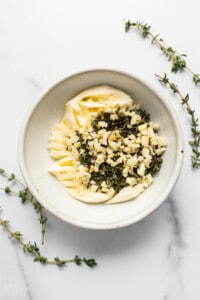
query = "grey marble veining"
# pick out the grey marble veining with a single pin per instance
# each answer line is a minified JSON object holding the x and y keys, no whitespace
{"x":34,"y":84}
{"x":42,"y":42}
{"x":24,"y":277}
{"x":177,"y":243}
{"x":175,"y":250}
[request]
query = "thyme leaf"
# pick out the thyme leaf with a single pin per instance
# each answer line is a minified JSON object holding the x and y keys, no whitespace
{"x":195,"y":130}
{"x":25,"y":196}
{"x":33,"y":250}
{"x":177,"y":59}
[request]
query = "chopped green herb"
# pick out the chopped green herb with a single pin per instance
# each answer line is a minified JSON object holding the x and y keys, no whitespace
{"x":155,"y":164}
{"x":112,"y":175}
{"x":119,"y":125}
{"x":122,"y":123}
{"x":86,"y":158}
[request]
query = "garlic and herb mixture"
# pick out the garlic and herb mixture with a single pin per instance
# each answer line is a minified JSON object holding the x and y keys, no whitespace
{"x":106,"y":148}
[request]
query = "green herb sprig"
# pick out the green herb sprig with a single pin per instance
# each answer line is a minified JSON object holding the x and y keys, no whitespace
{"x":25,"y":196}
{"x":195,"y":130}
{"x":177,"y":59}
{"x":33,"y":250}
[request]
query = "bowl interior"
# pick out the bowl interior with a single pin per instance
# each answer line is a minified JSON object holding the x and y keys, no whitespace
{"x":35,"y":159}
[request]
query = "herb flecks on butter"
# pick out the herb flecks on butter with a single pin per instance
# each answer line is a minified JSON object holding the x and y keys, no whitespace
{"x":118,"y":149}
{"x":111,"y":151}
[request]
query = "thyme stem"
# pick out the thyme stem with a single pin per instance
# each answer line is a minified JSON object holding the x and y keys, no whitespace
{"x":177,"y":59}
{"x":32,"y":249}
{"x":11,"y":177}
{"x":7,"y":190}
{"x":25,"y":196}
{"x":195,"y":130}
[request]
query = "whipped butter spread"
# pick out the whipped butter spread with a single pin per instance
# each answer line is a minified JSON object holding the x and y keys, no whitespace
{"x":106,"y":148}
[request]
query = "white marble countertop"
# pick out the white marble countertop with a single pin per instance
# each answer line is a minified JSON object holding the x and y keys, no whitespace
{"x":41,"y":42}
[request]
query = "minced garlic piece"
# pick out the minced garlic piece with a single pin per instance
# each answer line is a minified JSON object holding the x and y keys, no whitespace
{"x":106,"y":148}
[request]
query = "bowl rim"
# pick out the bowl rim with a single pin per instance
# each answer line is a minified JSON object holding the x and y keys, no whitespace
{"x":87,"y":225}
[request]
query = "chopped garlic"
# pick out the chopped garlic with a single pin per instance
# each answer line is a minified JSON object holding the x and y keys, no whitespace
{"x":98,"y":161}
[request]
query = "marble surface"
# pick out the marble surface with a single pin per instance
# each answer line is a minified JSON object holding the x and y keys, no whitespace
{"x":42,"y":42}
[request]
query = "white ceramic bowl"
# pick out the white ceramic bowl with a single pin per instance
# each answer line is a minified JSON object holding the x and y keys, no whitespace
{"x":35,"y":160}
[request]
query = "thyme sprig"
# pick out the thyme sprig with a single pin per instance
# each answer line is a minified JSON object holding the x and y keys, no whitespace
{"x":25,"y":196}
{"x":177,"y":59}
{"x":33,"y":250}
{"x":195,"y":130}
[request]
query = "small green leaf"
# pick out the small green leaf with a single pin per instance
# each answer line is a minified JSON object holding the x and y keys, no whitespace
{"x":4,"y":223}
{"x":59,"y":262}
{"x":43,"y":260}
{"x":196,"y":78}
{"x":7,"y":190}
{"x":77,"y":260}
{"x":90,"y":262}
{"x":127,"y":26}
{"x":16,"y":235}
{"x":195,"y":130}
{"x":12,"y":177}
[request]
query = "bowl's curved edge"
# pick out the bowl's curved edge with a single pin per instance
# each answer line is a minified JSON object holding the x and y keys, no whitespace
{"x":86,"y":225}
